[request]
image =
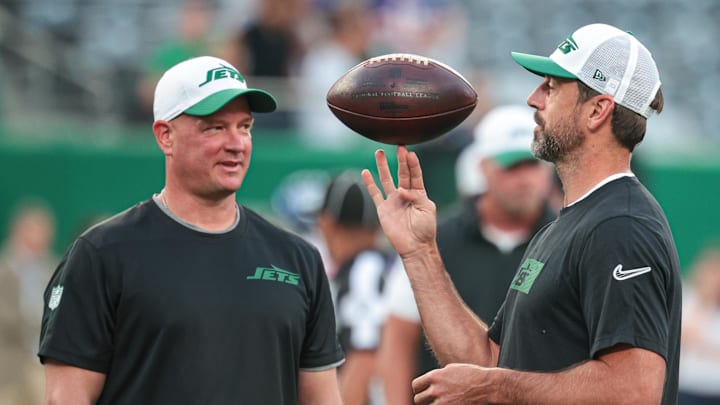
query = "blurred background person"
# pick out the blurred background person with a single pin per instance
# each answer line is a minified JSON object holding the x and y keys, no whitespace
{"x":469,"y":180}
{"x":348,"y":221}
{"x":700,"y":344}
{"x":346,"y":44}
{"x":492,"y":229}
{"x":269,"y":47}
{"x":193,"y":38}
{"x":269,"y":44}
{"x":296,"y":203}
{"x":26,"y":263}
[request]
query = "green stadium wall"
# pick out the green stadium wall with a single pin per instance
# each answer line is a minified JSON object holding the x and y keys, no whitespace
{"x":84,"y":180}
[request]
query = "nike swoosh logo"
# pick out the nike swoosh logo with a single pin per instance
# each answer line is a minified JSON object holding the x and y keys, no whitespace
{"x":620,"y":274}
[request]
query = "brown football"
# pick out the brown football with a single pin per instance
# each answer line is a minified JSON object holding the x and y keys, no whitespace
{"x":401,"y":99}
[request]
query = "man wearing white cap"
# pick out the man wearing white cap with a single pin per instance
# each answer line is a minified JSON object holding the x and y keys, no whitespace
{"x":189,"y":297}
{"x":593,"y":312}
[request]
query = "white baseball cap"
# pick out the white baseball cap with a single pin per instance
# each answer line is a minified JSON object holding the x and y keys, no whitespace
{"x":202,"y":86}
{"x":505,"y":135}
{"x":608,"y":60}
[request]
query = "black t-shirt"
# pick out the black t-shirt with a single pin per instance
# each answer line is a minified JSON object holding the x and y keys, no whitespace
{"x":174,"y":315}
{"x":606,"y":272}
{"x":479,"y":270}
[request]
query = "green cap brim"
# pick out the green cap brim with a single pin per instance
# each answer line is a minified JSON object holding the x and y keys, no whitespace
{"x":509,"y":159}
{"x":260,"y":101}
{"x":541,"y":65}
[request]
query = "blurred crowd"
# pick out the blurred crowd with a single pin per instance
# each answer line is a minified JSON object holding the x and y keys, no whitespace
{"x":101,"y":61}
{"x":26,"y":263}
{"x":96,"y":60}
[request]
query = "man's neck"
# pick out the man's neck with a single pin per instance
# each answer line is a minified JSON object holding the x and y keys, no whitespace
{"x":208,"y":214}
{"x":581,"y":173}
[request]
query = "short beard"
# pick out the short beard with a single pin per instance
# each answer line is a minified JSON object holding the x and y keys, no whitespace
{"x":555,"y":144}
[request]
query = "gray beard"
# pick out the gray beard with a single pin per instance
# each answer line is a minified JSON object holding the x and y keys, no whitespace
{"x":555,"y":144}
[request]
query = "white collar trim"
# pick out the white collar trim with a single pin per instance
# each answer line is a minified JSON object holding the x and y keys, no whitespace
{"x":603,"y":182}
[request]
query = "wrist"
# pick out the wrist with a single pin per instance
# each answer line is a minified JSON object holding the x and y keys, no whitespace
{"x":502,"y":382}
{"x":425,"y":256}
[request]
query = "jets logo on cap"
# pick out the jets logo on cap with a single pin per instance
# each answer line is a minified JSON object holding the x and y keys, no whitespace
{"x":568,"y":45}
{"x":222,"y":72}
{"x":599,"y":76}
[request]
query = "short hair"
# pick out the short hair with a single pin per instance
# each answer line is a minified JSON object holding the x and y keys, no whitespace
{"x":628,"y":126}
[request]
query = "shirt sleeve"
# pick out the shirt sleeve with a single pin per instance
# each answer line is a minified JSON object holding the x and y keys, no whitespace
{"x":321,"y":349}
{"x":78,"y":318}
{"x":622,"y":277}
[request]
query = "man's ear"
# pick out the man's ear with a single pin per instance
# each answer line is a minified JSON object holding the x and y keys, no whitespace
{"x":163,"y":136}
{"x":600,"y":111}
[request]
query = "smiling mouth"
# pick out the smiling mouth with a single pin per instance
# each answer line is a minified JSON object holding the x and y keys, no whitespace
{"x":230,"y":165}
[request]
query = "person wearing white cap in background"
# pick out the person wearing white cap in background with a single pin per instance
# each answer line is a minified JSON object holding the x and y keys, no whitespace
{"x":593,"y":313}
{"x":188,"y":297}
{"x":481,"y":240}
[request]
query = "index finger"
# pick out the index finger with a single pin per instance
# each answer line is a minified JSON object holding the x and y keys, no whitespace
{"x":386,"y":179}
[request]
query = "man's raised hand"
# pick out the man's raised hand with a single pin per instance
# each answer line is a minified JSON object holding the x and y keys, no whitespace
{"x":407,"y":215}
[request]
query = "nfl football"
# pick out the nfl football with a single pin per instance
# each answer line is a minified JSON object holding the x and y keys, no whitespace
{"x":401,"y":99}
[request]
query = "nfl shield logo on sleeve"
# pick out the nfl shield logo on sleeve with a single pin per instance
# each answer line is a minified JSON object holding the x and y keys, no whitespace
{"x":55,"y":296}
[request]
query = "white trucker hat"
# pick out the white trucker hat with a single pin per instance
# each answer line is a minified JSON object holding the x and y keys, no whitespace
{"x":202,"y":86}
{"x":608,"y":60}
{"x":505,"y":135}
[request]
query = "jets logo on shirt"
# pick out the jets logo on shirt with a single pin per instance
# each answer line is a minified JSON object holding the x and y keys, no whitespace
{"x":55,"y":296}
{"x":275,"y":273}
{"x":526,"y":276}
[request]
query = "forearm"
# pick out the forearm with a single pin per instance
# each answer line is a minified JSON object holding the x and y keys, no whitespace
{"x":621,"y":375}
{"x":592,"y":382}
{"x":454,"y":332}
{"x":354,"y":377}
{"x":318,"y":387}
